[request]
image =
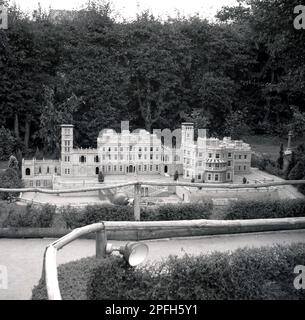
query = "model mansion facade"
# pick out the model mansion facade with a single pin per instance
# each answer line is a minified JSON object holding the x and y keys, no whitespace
{"x":142,"y":153}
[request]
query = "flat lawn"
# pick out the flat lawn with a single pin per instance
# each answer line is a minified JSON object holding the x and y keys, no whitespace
{"x":270,"y":144}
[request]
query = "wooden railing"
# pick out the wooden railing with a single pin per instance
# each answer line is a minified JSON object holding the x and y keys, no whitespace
{"x":216,"y":226}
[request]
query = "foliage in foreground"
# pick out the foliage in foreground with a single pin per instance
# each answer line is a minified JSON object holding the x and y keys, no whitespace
{"x":256,"y":273}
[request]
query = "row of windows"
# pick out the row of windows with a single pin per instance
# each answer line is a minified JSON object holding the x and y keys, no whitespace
{"x":131,"y":148}
{"x":68,"y":131}
{"x":210,"y":176}
{"x":216,"y":177}
{"x":218,"y":156}
{"x":83,"y":159}
{"x":40,"y":183}
{"x":130,"y":157}
{"x":130,"y":169}
{"x":240,"y":168}
{"x":39,"y":171}
{"x":240,"y":157}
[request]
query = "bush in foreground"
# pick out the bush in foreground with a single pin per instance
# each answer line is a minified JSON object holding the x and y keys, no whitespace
{"x":266,"y":209}
{"x":256,"y":273}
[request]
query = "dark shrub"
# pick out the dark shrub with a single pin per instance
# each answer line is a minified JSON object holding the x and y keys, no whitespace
{"x":30,"y":216}
{"x":250,"y":273}
{"x":298,"y":171}
{"x":95,"y":214}
{"x":266,"y":209}
{"x":10,"y":179}
{"x":75,"y":218}
{"x":176,"y":176}
{"x":186,"y":211}
{"x":101,"y":177}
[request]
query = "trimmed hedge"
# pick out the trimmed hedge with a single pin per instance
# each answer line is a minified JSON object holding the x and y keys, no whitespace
{"x":75,"y":218}
{"x":266,"y":209}
{"x":31,"y":216}
{"x":256,"y":273}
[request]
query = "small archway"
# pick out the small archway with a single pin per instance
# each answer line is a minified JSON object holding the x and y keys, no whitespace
{"x":27,"y":171}
{"x":130,"y":169}
{"x":97,"y":170}
{"x":165,"y":169}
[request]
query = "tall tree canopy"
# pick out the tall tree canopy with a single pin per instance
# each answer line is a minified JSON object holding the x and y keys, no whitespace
{"x":243,"y":73}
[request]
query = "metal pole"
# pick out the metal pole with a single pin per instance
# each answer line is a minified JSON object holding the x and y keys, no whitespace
{"x":136,"y":203}
{"x":101,"y":243}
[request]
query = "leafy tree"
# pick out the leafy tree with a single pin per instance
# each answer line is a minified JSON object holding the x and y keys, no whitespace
{"x":8,"y":143}
{"x":235,"y":125}
{"x":241,"y":74}
{"x":9,"y":179}
{"x":13,"y":163}
{"x":53,"y":115}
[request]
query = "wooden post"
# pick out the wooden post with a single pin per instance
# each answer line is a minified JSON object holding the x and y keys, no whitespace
{"x":101,"y":243}
{"x":136,"y":203}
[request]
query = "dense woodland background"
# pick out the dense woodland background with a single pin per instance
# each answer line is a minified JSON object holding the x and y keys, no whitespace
{"x":243,"y":74}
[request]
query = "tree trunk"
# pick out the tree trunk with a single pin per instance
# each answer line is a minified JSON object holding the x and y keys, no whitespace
{"x":16,"y":126}
{"x":27,"y":132}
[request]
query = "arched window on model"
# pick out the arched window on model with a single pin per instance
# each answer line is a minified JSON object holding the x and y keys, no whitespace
{"x":27,"y":171}
{"x":96,"y":159}
{"x":97,"y":170}
{"x":82,"y":159}
{"x":174,"y":142}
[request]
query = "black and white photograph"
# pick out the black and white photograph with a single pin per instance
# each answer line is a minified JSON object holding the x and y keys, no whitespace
{"x":152,"y":151}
